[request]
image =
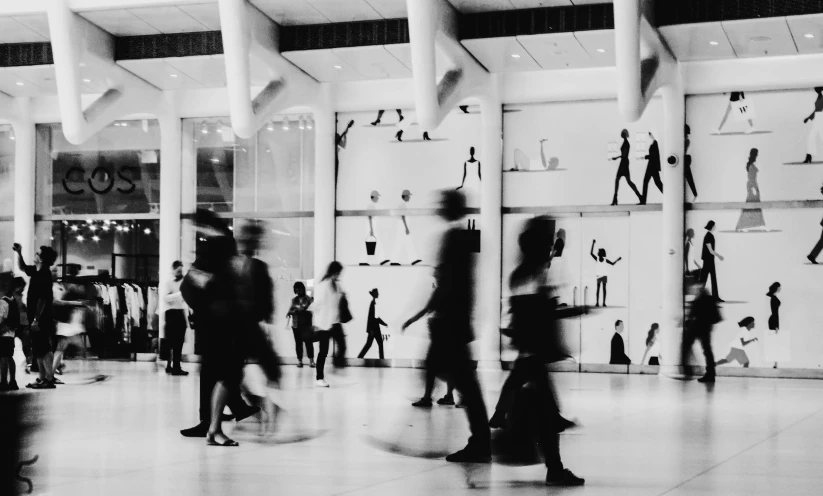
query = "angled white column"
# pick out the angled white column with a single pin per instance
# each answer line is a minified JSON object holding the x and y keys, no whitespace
{"x":324,"y":181}
{"x":171,"y":175}
{"x":24,"y":172}
{"x":645,"y":64}
{"x":432,"y":24}
{"x":77,"y":43}
{"x":491,"y":220}
{"x":248,"y":32}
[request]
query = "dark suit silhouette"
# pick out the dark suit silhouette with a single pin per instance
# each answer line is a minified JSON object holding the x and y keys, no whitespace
{"x":652,"y":170}
{"x":373,"y":330}
{"x":618,"y":355}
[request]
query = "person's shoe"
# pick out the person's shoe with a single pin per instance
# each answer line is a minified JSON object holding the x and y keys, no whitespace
{"x":243,"y":415}
{"x":321,"y":383}
{"x":13,"y":386}
{"x":808,"y":159}
{"x":564,"y":424}
{"x":812,"y":260}
{"x":707,"y":379}
{"x":464,"y":108}
{"x":375,"y":122}
{"x":169,"y":370}
{"x":459,"y":405}
{"x":179,"y":372}
{"x":423,"y":403}
{"x":35,"y":383}
{"x":57,"y":381}
{"x":717,"y":131}
{"x":312,"y":364}
{"x":399,"y":136}
{"x":364,"y":264}
{"x":394,"y":264}
{"x":426,"y":137}
{"x":719,"y":300}
{"x":384,"y":262}
{"x":470,"y":455}
{"x":498,"y":421}
{"x":299,"y":365}
{"x":416,"y":262}
{"x":44,"y":385}
{"x":199,"y":430}
{"x":58,"y":371}
{"x":226,"y":417}
{"x":447,"y":400}
{"x":563,"y":478}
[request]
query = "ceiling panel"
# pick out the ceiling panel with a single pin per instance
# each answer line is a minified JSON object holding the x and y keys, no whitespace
{"x":760,"y":37}
{"x":501,"y":54}
{"x":807,"y":32}
{"x":469,"y":6}
{"x":39,"y":23}
{"x":207,"y":14}
{"x":208,"y":70}
{"x":599,"y":45}
{"x":373,"y":62}
{"x":702,"y":41}
{"x":12,"y":31}
{"x":158,"y":72}
{"x":16,"y":84}
{"x":290,"y":12}
{"x":323,"y":65}
{"x":346,"y":11}
{"x":556,"y":51}
{"x":390,"y":9}
{"x":168,"y":19}
{"x":41,"y":76}
{"x":402,"y":52}
{"x":120,"y":22}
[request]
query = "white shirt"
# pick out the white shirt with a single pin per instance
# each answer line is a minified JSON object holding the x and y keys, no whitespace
{"x":602,"y":269}
{"x":172,"y":297}
{"x":654,"y":351}
{"x":326,"y":306}
{"x":745,"y":335}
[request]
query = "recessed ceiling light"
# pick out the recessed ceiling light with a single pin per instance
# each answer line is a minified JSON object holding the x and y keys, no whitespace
{"x":809,"y":35}
{"x":601,"y":50}
{"x":713,"y":43}
{"x":173,"y":75}
{"x":20,"y":83}
{"x":515,"y":55}
{"x":86,"y":80}
{"x":760,"y":39}
{"x":338,"y":67}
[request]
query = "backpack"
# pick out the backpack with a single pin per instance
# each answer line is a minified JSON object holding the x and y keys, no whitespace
{"x":13,"y":319}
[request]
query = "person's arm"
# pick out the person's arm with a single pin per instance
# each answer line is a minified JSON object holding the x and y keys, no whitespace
{"x":645,"y":353}
{"x":479,"y":174}
{"x":463,"y":182}
{"x":380,"y":321}
{"x":711,"y":250}
{"x":615,"y":262}
{"x":405,"y":224}
{"x":543,"y":155}
{"x":371,"y":227}
{"x":591,"y":252}
{"x":744,"y":343}
{"x":29,"y":270}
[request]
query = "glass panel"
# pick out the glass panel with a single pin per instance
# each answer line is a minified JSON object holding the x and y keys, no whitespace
{"x":272,"y":172}
{"x":116,"y":171}
{"x":6,"y":243}
{"x":6,"y":171}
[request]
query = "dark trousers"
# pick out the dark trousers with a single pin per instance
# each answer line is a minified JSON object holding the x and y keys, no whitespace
{"x":372,"y":338}
{"x":709,"y":269}
{"x":651,"y":175}
{"x":817,"y":248}
{"x":176,"y":336}
{"x":523,"y":371}
{"x":336,"y":334}
{"x":690,"y":335}
{"x":299,"y":343}
{"x":620,"y":174}
{"x":208,"y":379}
{"x":690,"y":179}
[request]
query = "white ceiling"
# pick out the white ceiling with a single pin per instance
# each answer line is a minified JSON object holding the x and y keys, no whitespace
{"x":24,"y":29}
{"x":470,"y":6}
{"x":157,"y":20}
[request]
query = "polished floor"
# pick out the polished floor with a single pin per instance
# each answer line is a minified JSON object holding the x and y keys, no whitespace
{"x":640,"y":435}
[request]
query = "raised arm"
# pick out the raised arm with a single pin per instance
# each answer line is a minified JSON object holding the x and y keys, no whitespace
{"x":615,"y":262}
{"x":21,"y":264}
{"x":591,"y":252}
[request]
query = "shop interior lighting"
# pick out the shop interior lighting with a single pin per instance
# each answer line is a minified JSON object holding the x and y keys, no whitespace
{"x":601,"y":50}
{"x":285,"y":124}
{"x":96,"y":239}
{"x":204,"y":128}
{"x":809,"y":35}
{"x":86,"y":80}
{"x":106,"y":228}
{"x":173,"y":75}
{"x":270,"y":127}
{"x":126,"y":229}
{"x":11,"y":134}
{"x":302,"y":124}
{"x":215,"y":160}
{"x":74,"y":228}
{"x":713,"y":43}
{"x":338,"y":67}
{"x":310,"y":123}
{"x":80,"y":238}
{"x":120,"y":228}
{"x":515,"y":55}
{"x":220,"y":127}
{"x":147,"y":231}
{"x":20,"y":83}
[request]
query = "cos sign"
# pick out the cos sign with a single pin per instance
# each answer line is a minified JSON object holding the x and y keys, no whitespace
{"x":101,"y":181}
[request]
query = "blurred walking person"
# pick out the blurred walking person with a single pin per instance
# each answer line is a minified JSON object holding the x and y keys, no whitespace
{"x":702,"y":317}
{"x":176,"y":315}
{"x":330,"y":313}
{"x":452,"y":306}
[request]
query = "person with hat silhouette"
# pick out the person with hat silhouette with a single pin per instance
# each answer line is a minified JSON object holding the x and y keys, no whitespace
{"x":373,"y":327}
{"x":403,"y":240}
{"x":373,"y":247}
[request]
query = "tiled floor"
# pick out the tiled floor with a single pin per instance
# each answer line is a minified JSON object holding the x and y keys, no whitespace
{"x":641,"y":435}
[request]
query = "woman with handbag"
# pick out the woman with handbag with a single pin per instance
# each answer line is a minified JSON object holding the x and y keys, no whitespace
{"x":331,"y":311}
{"x":301,"y":323}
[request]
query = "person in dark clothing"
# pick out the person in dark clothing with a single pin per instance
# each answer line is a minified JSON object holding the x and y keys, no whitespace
{"x":708,"y":256}
{"x":39,"y":305}
{"x":301,"y":322}
{"x":373,"y":327}
{"x":452,"y":305}
{"x":207,"y":290}
{"x":618,"y":351}
{"x":623,"y":169}
{"x":702,"y":316}
{"x":819,"y":246}
{"x":534,"y":333}
{"x":176,"y":316}
{"x":816,"y":131}
{"x":652,"y":169}
{"x":687,"y":164}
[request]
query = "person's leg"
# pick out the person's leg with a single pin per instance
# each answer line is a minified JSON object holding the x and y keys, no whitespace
{"x":597,"y":292}
{"x":657,"y":181}
{"x":616,"y":187}
{"x":309,"y":348}
{"x":729,"y":358}
{"x":633,"y":186}
{"x":340,"y":345}
{"x":817,"y":249}
{"x":379,"y":116}
{"x":467,"y":384}
{"x":298,"y":344}
{"x":218,"y":403}
{"x":400,"y":114}
{"x":715,"y":290}
{"x":725,"y":117}
{"x":366,"y":347}
{"x":322,"y":353}
{"x":379,"y":339}
{"x":690,"y":180}
{"x":62,"y":345}
{"x":179,"y":340}
{"x":4,"y":363}
{"x":646,"y":179}
{"x":516,"y":379}
{"x":605,"y":288}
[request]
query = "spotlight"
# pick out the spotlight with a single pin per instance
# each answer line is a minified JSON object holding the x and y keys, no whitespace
{"x":270,"y":127}
{"x":204,"y":128}
{"x":79,"y":238}
{"x":220,"y":127}
{"x":285,"y":124}
{"x":95,"y":238}
{"x":310,"y":123}
{"x":147,"y":231}
{"x":302,"y":124}
{"x":74,"y":228}
{"x":106,"y":228}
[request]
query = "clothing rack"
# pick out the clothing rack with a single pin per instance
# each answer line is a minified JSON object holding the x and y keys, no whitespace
{"x":139,"y":257}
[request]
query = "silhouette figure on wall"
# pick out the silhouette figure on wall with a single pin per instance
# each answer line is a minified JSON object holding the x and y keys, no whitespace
{"x":708,"y":256}
{"x":652,"y":169}
{"x":618,"y":350}
{"x":522,"y":162}
{"x":373,"y":325}
{"x":464,"y":108}
{"x":380,"y":116}
{"x":777,"y":346}
{"x":737,"y":348}
{"x":559,"y":244}
{"x":743,"y":111}
{"x":652,"y":346}
{"x":374,"y":248}
{"x":602,"y":271}
{"x":687,"y":163}
{"x":692,"y":266}
{"x":751,"y":218}
{"x":819,"y":246}
{"x":816,"y":129}
{"x":472,"y":161}
{"x":623,"y":168}
{"x":341,"y":139}
{"x":403,"y":241}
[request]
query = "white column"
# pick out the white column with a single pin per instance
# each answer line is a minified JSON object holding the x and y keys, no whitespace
{"x":24,"y":178}
{"x":324,"y":182}
{"x":674,"y":116}
{"x":491,"y":220}
{"x":170,"y":196}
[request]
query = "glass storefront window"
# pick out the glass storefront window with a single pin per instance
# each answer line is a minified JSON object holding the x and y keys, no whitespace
{"x":116,"y":171}
{"x":6,"y":171}
{"x":271,"y":172}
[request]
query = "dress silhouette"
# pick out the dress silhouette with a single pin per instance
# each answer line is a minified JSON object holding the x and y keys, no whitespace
{"x":816,"y":129}
{"x":471,"y":161}
{"x":623,"y":168}
{"x":652,"y":170}
{"x":751,"y":218}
